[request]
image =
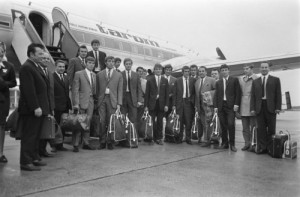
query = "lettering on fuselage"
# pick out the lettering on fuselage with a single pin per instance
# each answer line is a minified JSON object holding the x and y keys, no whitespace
{"x":126,"y":36}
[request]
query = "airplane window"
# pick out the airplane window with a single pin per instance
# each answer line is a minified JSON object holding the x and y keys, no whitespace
{"x":147,"y":51}
{"x":110,"y":43}
{"x":126,"y":46}
{"x":140,"y":50}
{"x":134,"y":49}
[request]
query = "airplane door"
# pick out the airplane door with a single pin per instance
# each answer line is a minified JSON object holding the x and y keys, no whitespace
{"x":59,"y":15}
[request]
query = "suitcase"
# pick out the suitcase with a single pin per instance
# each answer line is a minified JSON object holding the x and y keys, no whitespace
{"x":131,"y":135}
{"x":48,"y":128}
{"x":116,"y":129}
{"x":172,"y":128}
{"x":290,"y":148}
{"x":276,"y":147}
{"x":195,"y":129}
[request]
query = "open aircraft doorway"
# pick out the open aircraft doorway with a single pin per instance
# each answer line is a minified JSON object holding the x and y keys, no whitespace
{"x":42,"y":26}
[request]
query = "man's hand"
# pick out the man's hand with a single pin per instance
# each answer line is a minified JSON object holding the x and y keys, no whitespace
{"x":216,"y":110}
{"x":166,"y":108}
{"x":118,"y":107}
{"x":139,"y":104}
{"x":38,"y":112}
{"x":253,"y":113}
{"x":235,"y":108}
{"x":277,"y":111}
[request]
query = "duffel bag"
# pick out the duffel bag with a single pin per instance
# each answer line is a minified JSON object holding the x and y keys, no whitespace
{"x":116,"y":128}
{"x":74,"y":121}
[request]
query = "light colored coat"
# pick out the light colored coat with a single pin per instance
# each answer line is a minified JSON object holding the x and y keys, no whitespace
{"x":115,"y":85}
{"x":82,"y":89}
{"x":209,"y":84}
{"x":246,"y":86}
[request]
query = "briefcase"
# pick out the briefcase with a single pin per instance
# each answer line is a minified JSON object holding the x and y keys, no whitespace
{"x":48,"y":128}
{"x":131,"y":135}
{"x":290,"y":148}
{"x":146,"y":127}
{"x":172,"y":129}
{"x":276,"y":147}
{"x":116,"y":128}
{"x":195,"y":127}
{"x":72,"y":122}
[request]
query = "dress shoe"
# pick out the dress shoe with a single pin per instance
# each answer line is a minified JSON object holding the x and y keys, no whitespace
{"x":88,"y":147}
{"x":3,"y":159}
{"x":46,"y":154}
{"x":224,"y":146}
{"x":189,"y":142}
{"x":245,"y":148}
{"x":233,"y":149}
{"x":261,"y":151}
{"x":206,"y":144}
{"x":39,"y":163}
{"x":76,"y":149}
{"x":102,"y":146}
{"x":30,"y":167}
{"x":159,"y":142}
{"x":110,"y":146}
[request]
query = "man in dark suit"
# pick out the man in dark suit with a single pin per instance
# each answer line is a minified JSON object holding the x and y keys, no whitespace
{"x":171,"y":80}
{"x":205,"y":110}
{"x":7,"y":80}
{"x":34,"y":106}
{"x":194,"y":71}
{"x":110,"y":96}
{"x":184,"y":101}
{"x":118,"y":63}
{"x":98,"y":55}
{"x":61,"y":95}
{"x":265,"y":103}
{"x":132,"y":92}
{"x":157,"y":101}
{"x":226,"y":103}
{"x":77,"y":63}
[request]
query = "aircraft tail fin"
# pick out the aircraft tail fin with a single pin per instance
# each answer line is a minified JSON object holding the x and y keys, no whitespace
{"x":220,"y":54}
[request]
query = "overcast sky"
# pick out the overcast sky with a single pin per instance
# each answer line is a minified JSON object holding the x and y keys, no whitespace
{"x":241,"y":28}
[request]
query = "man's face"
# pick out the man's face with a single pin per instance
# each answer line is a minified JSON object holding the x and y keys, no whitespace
{"x":95,"y":46}
{"x":157,"y":71}
{"x":110,"y":63}
{"x":194,"y":71}
{"x":117,"y":64}
{"x":128,"y":65}
{"x":248,"y":71}
{"x":60,"y":68}
{"x":38,"y":55}
{"x":186,"y":73}
{"x":215,"y":74}
{"x":202,"y":72}
{"x":168,"y":71}
{"x":144,"y":75}
{"x":82,"y":52}
{"x":264,"y":68}
{"x":90,"y":65}
{"x":225,"y":72}
{"x":140,"y":72}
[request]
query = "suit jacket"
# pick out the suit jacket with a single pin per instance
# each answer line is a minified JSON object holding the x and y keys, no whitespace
{"x":246,"y":88}
{"x":233,"y":93}
{"x":209,"y":84}
{"x":178,"y":92}
{"x":7,"y":80}
{"x":101,"y":57}
{"x":82,"y":89}
{"x":135,"y":85}
{"x":61,"y":93}
{"x":115,"y":85}
{"x":273,"y":94}
{"x":152,"y":91}
{"x":34,"y":89}
{"x":75,"y":64}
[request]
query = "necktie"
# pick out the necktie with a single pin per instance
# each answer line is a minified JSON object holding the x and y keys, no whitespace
{"x":83,"y":62}
{"x":45,"y":71}
{"x":201,"y":85}
{"x":92,"y":83}
{"x":186,"y":89}
{"x":128,"y":81}
{"x":108,"y":75}
{"x":263,"y":87}
{"x":62,"y":77}
{"x":96,"y":57}
{"x":158,"y":83}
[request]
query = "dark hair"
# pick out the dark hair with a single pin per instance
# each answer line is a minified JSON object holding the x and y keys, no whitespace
{"x":59,"y":61}
{"x":32,"y":48}
{"x":90,"y":59}
{"x":204,"y":68}
{"x":108,"y":58}
{"x":149,"y":71}
{"x":185,"y":68}
{"x":224,"y":66}
{"x":137,"y":69}
{"x":168,"y":66}
{"x":118,"y":59}
{"x":194,"y":66}
{"x":215,"y":69}
{"x":95,"y":41}
{"x":267,"y":62}
{"x":250,"y":65}
{"x":126,"y":60}
{"x":157,"y":65}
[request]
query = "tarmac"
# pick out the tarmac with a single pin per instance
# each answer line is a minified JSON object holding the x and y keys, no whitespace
{"x":154,"y":170}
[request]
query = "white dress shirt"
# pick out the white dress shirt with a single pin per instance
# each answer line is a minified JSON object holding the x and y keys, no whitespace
{"x":224,"y":84}
{"x":126,"y":72}
{"x":110,"y":73}
{"x":185,"y":88}
{"x":89,"y":73}
{"x":262,"y":80}
{"x":158,"y":81}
